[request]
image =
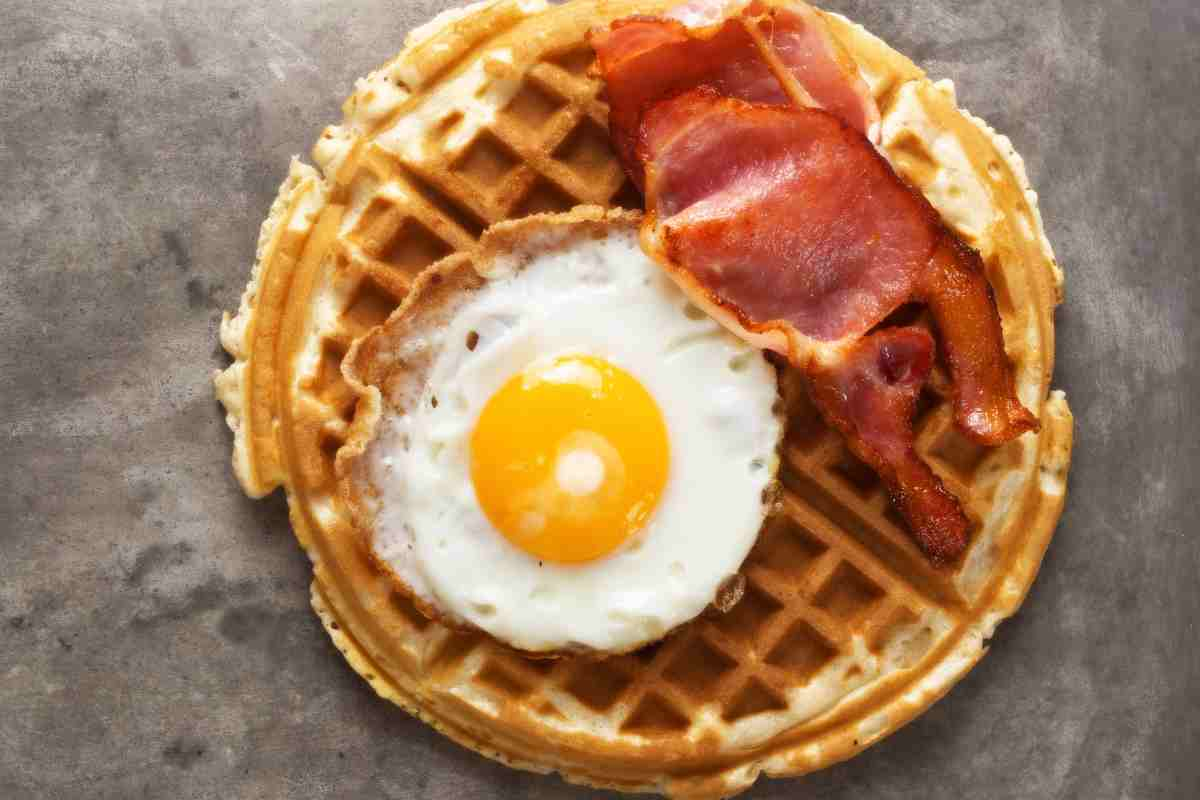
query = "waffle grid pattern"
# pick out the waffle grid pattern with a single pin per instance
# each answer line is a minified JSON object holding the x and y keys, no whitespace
{"x":783,"y":633}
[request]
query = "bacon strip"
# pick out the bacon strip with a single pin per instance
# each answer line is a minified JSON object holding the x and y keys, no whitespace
{"x":748,"y":50}
{"x":724,"y":176}
{"x":870,"y":396}
{"x":785,"y":214}
{"x":956,"y":290}
{"x":655,"y":58}
{"x":797,"y":36}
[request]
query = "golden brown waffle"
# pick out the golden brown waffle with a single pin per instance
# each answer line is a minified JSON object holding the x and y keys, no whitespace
{"x":844,"y":633}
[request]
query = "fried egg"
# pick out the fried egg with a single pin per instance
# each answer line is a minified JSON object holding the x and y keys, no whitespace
{"x":571,"y":456}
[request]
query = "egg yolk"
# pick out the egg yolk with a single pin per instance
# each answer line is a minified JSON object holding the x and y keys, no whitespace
{"x":569,"y":458}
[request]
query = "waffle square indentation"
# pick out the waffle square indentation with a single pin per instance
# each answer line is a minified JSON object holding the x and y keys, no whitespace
{"x":576,"y":60}
{"x":587,"y":152}
{"x":369,"y":306}
{"x":331,"y":387}
{"x":502,"y":681}
{"x":655,"y":716}
{"x":486,"y":161}
{"x":749,"y":616}
{"x":543,"y":197}
{"x":801,"y":651}
{"x":754,"y":698}
{"x":855,"y":474}
{"x":786,"y":548}
{"x":697,"y":668}
{"x":404,"y":605}
{"x":848,"y":593}
{"x":532,"y":106}
{"x":597,"y":686}
{"x":960,"y":456}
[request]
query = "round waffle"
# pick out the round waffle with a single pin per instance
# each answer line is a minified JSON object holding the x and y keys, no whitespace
{"x":844,"y":632}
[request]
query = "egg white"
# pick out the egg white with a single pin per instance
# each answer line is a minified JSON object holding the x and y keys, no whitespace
{"x":602,"y":297}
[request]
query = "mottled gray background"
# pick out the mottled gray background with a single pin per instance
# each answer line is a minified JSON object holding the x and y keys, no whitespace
{"x":155,"y":635}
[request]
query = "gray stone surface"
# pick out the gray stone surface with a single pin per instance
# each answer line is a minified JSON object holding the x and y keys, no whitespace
{"x":155,"y":636}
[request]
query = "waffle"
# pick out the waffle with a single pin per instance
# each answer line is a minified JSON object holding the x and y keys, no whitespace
{"x":844,"y":632}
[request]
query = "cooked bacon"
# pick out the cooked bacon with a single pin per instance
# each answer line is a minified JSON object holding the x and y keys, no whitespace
{"x":785,"y":214}
{"x":788,"y":226}
{"x":795,"y":34}
{"x":870,"y":396}
{"x":788,"y":217}
{"x":754,"y":51}
{"x":956,"y":290}
{"x":657,"y":57}
{"x":749,"y":129}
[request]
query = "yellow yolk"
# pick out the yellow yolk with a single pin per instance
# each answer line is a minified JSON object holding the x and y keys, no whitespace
{"x":569,"y":458}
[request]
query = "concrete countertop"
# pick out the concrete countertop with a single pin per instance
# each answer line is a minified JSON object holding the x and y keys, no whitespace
{"x":155,"y":633}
